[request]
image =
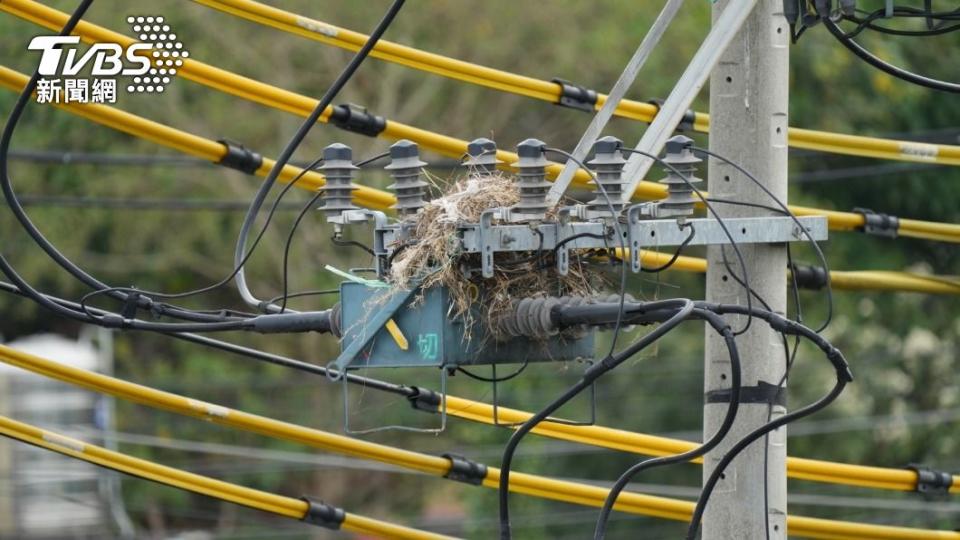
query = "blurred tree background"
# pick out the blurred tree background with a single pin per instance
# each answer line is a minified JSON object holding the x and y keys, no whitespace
{"x":903,"y":408}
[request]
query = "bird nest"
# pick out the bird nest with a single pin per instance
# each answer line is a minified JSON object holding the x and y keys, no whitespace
{"x":433,"y":257}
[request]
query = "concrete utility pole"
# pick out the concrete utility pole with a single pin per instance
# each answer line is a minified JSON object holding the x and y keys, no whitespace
{"x":748,"y":124}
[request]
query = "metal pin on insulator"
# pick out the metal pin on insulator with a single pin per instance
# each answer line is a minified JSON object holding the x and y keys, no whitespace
{"x":405,"y":168}
{"x":680,"y":199}
{"x":608,"y":163}
{"x":338,"y":169}
{"x":531,"y":182}
{"x":482,"y":155}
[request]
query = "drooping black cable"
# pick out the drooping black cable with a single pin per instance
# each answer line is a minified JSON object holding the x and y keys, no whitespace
{"x":888,"y":68}
{"x":293,"y":230}
{"x":682,"y":310}
{"x":723,"y":328}
{"x":143,"y":300}
{"x":295,"y":141}
{"x":516,"y":372}
{"x":720,"y":221}
{"x":786,"y":211}
{"x":743,"y":443}
{"x":676,"y":254}
{"x":255,"y":354}
{"x":256,"y":241}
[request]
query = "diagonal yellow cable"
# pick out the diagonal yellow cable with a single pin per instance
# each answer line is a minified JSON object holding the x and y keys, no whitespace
{"x":550,"y":91}
{"x":373,"y":198}
{"x":301,"y":105}
{"x":537,"y":486}
{"x":189,"y":143}
{"x":218,"y":489}
{"x":639,"y":443}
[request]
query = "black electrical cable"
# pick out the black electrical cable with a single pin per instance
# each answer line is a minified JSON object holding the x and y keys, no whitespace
{"x":295,"y":141}
{"x":286,"y":247}
{"x":743,"y":443}
{"x":723,"y":328}
{"x":301,"y":294}
{"x":143,"y":298}
{"x":255,"y":354}
{"x":6,"y":184}
{"x":676,"y":254}
{"x":888,"y":68}
{"x":682,"y":310}
{"x":716,"y":216}
{"x":224,"y":281}
{"x":518,"y":371}
{"x":786,"y":211}
{"x":618,"y":326}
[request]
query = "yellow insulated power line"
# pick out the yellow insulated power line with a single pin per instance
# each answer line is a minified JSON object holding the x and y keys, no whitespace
{"x":189,"y":143}
{"x":551,"y":92}
{"x":373,"y":198}
{"x":639,"y":443}
{"x":537,"y":486}
{"x":301,"y":105}
{"x":218,"y":489}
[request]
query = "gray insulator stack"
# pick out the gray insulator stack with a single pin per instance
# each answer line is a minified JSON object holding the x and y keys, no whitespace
{"x":608,"y":163}
{"x":405,"y":168}
{"x":482,"y":155}
{"x":338,"y":169}
{"x":680,"y":199}
{"x":532,"y":182}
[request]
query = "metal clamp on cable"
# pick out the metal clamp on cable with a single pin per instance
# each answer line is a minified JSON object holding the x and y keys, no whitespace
{"x":810,"y":277}
{"x":425,"y":400}
{"x":878,"y":224}
{"x":763,"y":392}
{"x":355,"y":118}
{"x":574,"y":96}
{"x":464,"y":470}
{"x":930,"y":481}
{"x":686,"y":123}
{"x":240,"y":157}
{"x":322,"y":514}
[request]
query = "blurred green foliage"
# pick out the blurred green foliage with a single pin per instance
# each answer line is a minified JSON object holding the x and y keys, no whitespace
{"x":902,"y":346}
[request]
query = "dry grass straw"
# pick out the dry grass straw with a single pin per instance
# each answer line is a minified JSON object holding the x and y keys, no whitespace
{"x":434,"y":257}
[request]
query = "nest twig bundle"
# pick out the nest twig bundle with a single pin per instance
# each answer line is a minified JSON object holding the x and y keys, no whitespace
{"x":434,"y":256}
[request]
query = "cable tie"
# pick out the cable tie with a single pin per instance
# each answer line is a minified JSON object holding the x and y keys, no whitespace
{"x":323,"y":514}
{"x":464,"y":470}
{"x":686,"y":123}
{"x":763,"y":392}
{"x":424,"y":399}
{"x":810,"y":277}
{"x":931,"y":482}
{"x":240,"y":157}
{"x":878,"y":224}
{"x":574,"y":96}
{"x":130,"y":305}
{"x":355,"y":118}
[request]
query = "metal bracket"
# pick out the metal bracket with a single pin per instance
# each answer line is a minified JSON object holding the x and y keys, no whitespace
{"x":930,"y":481}
{"x":575,"y":96}
{"x":355,"y":118}
{"x":878,"y":224}
{"x":396,"y":299}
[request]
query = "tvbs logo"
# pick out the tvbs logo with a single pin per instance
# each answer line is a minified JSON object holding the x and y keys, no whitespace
{"x":150,"y":64}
